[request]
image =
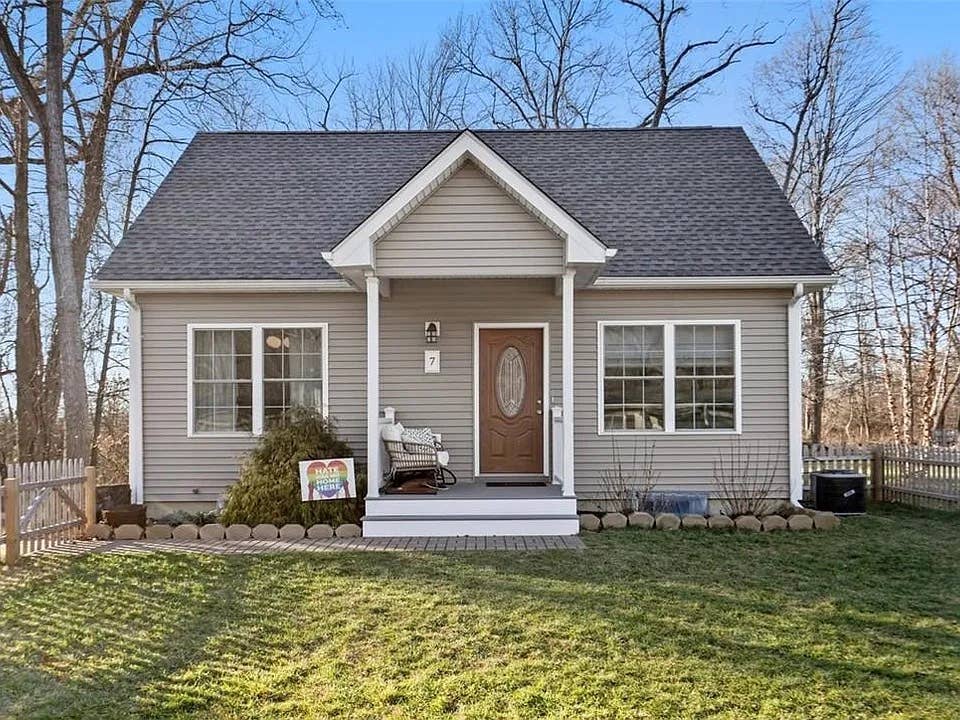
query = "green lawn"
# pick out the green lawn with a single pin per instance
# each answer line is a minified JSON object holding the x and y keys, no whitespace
{"x":861,"y":622}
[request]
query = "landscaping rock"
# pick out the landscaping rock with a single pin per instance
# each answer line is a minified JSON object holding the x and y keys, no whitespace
{"x":801,"y":521}
{"x":719,"y":522}
{"x":748,"y":523}
{"x":292,"y":531}
{"x":187,"y":531}
{"x":614,"y":520}
{"x":693,"y":522}
{"x":265,"y":531}
{"x":826,"y":521}
{"x":589,"y":521}
{"x":667,"y":521}
{"x":238,"y":531}
{"x":641,"y":520}
{"x":101,"y":531}
{"x":128,"y":532}
{"x":213,"y":531}
{"x":773,"y":523}
{"x":348,"y":530}
{"x":159,"y":531}
{"x":319,"y":532}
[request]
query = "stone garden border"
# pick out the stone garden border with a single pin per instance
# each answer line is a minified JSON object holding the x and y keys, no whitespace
{"x":217,"y":531}
{"x":798,"y":522}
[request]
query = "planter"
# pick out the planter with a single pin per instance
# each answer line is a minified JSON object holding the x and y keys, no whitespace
{"x":126,"y":515}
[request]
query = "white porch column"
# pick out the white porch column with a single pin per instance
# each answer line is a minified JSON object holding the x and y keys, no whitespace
{"x":373,"y":386}
{"x":568,"y":478}
{"x":794,"y":403}
{"x":135,"y":409}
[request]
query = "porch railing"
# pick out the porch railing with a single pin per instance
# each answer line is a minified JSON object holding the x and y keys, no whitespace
{"x":556,"y":444}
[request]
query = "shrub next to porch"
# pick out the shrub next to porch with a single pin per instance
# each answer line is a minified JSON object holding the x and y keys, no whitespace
{"x":269,"y":487}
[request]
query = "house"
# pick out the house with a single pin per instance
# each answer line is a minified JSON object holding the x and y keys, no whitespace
{"x":585,"y":287}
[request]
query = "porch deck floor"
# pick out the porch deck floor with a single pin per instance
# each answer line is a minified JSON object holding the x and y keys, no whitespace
{"x":359,"y":544}
{"x":476,"y":488}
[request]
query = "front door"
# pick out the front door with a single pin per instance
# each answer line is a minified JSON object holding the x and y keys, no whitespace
{"x":510,"y":364}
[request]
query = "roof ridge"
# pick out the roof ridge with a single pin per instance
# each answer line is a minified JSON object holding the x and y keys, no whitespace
{"x":504,"y":131}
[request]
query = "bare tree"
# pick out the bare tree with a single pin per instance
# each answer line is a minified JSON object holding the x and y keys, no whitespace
{"x":536,"y":63}
{"x":816,"y":108}
{"x":47,"y":113}
{"x":913,"y":251}
{"x":422,"y":90}
{"x":107,"y":56}
{"x":668,"y":73}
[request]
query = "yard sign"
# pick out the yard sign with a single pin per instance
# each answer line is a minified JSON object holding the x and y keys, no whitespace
{"x":327,"y":479}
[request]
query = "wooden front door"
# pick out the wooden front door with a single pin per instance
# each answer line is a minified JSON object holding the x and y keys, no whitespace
{"x":511,"y":400}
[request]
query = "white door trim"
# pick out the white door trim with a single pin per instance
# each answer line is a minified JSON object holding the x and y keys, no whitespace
{"x":477,"y":327}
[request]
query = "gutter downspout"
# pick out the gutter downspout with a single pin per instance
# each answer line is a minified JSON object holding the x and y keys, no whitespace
{"x":794,"y":381}
{"x":135,"y":406}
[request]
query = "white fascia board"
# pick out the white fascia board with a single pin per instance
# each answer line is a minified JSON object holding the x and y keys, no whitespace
{"x":117,"y":287}
{"x":809,"y":282}
{"x":356,"y":250}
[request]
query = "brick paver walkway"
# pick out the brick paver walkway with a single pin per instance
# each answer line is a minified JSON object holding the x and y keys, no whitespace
{"x":258,"y":547}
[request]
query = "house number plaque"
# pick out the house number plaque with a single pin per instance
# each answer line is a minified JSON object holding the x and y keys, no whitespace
{"x":431,"y":362}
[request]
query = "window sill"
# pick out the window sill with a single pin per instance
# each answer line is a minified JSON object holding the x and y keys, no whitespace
{"x":666,"y":433}
{"x":222,"y":435}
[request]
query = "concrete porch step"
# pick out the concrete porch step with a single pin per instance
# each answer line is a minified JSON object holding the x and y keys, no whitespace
{"x":469,"y":525}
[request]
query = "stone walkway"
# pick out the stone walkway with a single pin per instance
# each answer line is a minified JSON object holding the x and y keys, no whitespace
{"x":259,"y":547}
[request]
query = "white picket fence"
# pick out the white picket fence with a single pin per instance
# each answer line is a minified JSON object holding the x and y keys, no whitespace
{"x":45,"y":503}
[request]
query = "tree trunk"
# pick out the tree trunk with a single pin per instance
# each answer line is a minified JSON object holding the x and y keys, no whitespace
{"x":65,"y":272}
{"x":31,"y":430}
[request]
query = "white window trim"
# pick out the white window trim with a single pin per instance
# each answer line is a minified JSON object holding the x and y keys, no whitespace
{"x":669,"y":376}
{"x":256,"y":372}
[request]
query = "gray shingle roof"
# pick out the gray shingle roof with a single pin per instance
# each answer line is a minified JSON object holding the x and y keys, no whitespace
{"x":675,"y":202}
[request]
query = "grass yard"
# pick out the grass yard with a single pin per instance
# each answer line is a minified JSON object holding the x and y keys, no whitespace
{"x":862,"y":622}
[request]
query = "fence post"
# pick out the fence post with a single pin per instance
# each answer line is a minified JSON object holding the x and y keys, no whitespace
{"x":11,"y":491}
{"x":876,"y":474}
{"x":90,"y":498}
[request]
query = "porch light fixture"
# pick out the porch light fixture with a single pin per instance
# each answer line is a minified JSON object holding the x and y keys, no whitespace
{"x":431,"y":331}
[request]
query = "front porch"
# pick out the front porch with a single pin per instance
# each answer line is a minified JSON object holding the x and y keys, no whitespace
{"x":473,"y":508}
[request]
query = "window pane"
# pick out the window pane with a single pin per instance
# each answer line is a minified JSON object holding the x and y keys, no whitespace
{"x":243,"y":367}
{"x":294,"y":357}
{"x":613,"y":418}
{"x":313,"y":366}
{"x":633,"y":392}
{"x":203,"y":367}
{"x":203,"y":342}
{"x":273,"y":393}
{"x":272,"y":366}
{"x":241,"y":342}
{"x":705,"y":386}
{"x":313,"y":340}
{"x":222,"y":394}
{"x":304,"y":394}
{"x":631,"y":354}
{"x":223,"y":342}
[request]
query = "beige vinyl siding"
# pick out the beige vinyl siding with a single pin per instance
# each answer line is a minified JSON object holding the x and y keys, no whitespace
{"x":444,"y":402}
{"x":685,"y":461}
{"x":176,"y":465}
{"x":469,"y":227}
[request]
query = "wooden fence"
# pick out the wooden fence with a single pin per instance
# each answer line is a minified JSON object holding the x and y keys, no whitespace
{"x":925,"y":477}
{"x":45,"y":503}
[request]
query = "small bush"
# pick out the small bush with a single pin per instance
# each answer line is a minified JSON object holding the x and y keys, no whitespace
{"x":269,"y":487}
{"x":183,"y":517}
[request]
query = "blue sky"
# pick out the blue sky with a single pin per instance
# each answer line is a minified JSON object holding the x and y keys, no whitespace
{"x":917,"y":29}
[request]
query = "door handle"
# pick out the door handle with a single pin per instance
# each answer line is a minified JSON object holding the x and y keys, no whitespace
{"x":540,"y":407}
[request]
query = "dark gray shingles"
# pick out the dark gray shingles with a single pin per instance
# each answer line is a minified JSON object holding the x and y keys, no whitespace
{"x":691,"y":201}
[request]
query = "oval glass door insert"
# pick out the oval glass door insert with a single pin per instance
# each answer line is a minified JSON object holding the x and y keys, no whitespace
{"x":511,"y":381}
